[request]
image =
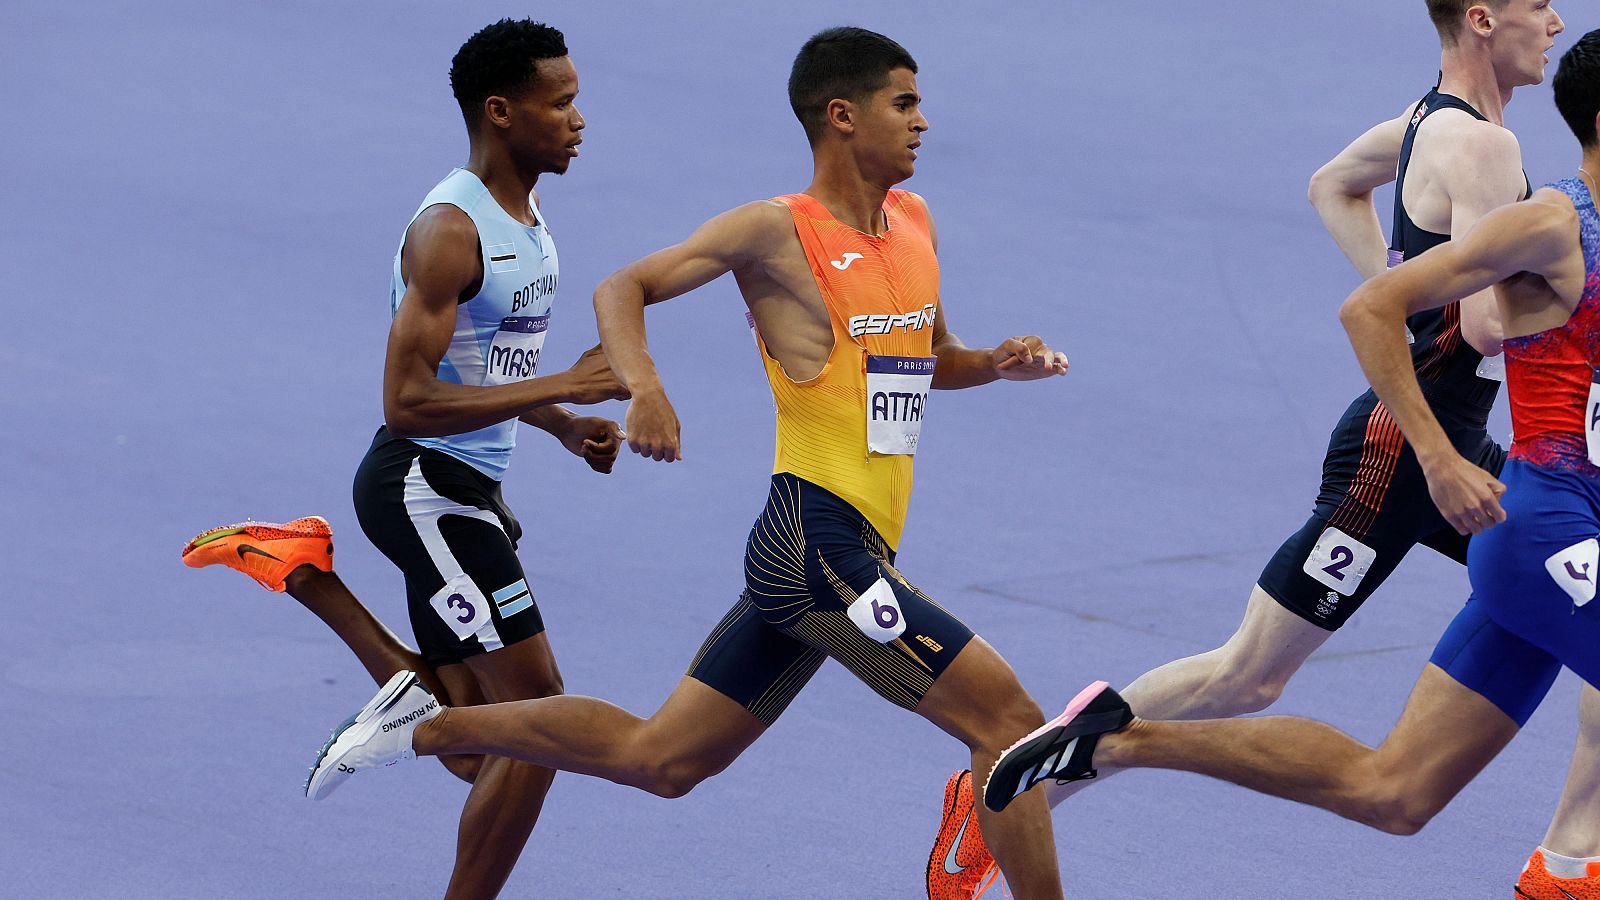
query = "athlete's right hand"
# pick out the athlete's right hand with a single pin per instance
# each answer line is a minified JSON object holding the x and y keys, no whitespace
{"x":592,"y":379}
{"x":1467,"y":496}
{"x":652,"y":427}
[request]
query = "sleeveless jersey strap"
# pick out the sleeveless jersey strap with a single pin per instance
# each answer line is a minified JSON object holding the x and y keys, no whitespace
{"x":807,"y":211}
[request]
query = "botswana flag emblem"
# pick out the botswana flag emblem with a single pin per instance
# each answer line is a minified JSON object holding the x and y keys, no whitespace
{"x":502,"y":258}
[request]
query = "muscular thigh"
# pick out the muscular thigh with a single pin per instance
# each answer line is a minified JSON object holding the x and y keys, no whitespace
{"x":1373,"y":507}
{"x":817,"y":571}
{"x":1534,"y":574}
{"x":445,"y":526}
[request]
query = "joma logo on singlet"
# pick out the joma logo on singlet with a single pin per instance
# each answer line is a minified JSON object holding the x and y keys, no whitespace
{"x":883,"y":324}
{"x":533,"y":293}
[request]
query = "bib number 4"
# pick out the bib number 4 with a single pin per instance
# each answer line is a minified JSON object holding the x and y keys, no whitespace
{"x":1591,"y":419}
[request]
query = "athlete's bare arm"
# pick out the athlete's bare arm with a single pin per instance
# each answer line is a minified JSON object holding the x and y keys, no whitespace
{"x":1539,"y":238}
{"x":1024,"y":358}
{"x":1462,"y":169}
{"x":442,"y":264}
{"x":594,"y":438}
{"x":757,"y":243}
{"x":1341,"y":192}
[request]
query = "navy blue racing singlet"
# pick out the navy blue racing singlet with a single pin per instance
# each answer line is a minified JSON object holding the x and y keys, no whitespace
{"x":1447,"y":367}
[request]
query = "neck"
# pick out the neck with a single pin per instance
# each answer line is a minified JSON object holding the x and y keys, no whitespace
{"x":509,"y":185}
{"x":1589,"y":166}
{"x":838,"y":183}
{"x":1468,"y":73}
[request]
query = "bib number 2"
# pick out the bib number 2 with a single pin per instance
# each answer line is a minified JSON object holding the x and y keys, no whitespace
{"x":1339,"y":561}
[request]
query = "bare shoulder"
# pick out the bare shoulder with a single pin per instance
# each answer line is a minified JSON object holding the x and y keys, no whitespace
{"x":1547,"y":215}
{"x":1462,"y":140}
{"x":1533,"y":235}
{"x":753,"y":230}
{"x":442,"y":225}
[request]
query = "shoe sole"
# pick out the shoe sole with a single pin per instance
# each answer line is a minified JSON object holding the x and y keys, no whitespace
{"x":1075,"y":707}
{"x":317,"y":784}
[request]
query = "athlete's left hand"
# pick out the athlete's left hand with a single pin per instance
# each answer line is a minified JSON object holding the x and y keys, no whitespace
{"x":594,"y":438}
{"x":1028,"y":358}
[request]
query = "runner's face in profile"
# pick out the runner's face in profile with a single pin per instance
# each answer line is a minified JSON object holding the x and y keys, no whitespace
{"x":545,"y":122}
{"x":890,"y":125}
{"x":1524,"y":32}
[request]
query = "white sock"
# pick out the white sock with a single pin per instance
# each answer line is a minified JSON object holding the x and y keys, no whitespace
{"x":1566,"y":866}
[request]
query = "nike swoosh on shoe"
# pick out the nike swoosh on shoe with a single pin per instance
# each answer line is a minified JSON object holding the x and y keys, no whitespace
{"x":950,"y":858}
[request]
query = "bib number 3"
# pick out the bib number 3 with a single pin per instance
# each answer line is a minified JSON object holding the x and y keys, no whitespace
{"x":897,"y":395}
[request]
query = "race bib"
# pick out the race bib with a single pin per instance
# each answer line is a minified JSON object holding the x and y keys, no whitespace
{"x":1493,"y":368}
{"x":897,"y":394}
{"x":1339,"y":561}
{"x":1574,"y":570}
{"x":877,"y":613}
{"x":462,"y":606}
{"x":514,"y":352}
{"x":1591,"y":419}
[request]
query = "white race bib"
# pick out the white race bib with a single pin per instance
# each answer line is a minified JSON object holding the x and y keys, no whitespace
{"x":1574,"y":570}
{"x":514,"y":352}
{"x":897,"y":394}
{"x":1493,"y":368}
{"x":877,"y":613}
{"x":1591,"y":418}
{"x":462,"y":606}
{"x":1339,"y":561}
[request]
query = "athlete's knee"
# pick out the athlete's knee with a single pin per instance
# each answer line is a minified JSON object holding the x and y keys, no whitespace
{"x":1387,"y":799}
{"x":672,"y":778}
{"x":465,"y":768}
{"x":1010,"y":720}
{"x":1238,"y":687}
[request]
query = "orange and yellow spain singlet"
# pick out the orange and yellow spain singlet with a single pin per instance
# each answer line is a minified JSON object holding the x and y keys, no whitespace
{"x":853,"y":429}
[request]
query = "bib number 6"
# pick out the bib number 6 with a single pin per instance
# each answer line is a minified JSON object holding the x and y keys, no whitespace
{"x":877,"y":613}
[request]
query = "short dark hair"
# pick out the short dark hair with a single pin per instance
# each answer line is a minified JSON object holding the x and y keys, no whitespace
{"x":840,"y":63}
{"x":500,"y":59}
{"x":1577,"y":87}
{"x":1446,"y":16}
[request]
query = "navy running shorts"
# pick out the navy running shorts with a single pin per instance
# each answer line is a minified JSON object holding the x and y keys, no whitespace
{"x":820,"y":582}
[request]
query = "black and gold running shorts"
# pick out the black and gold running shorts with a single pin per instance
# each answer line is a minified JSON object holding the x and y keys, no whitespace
{"x":820,"y":582}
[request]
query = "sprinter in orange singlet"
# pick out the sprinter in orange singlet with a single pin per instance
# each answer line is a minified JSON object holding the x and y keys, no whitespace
{"x":842,"y":284}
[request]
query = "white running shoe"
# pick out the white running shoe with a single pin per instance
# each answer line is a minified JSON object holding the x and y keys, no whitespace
{"x":378,"y":735}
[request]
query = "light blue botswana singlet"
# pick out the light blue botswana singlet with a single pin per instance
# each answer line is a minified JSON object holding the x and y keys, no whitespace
{"x":500,"y":331}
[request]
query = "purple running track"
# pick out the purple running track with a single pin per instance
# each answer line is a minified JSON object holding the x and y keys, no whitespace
{"x":201,"y":206}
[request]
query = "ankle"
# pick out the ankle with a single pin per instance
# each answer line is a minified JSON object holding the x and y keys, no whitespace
{"x":303,"y":578}
{"x":1115,"y":748}
{"x":429,"y":738}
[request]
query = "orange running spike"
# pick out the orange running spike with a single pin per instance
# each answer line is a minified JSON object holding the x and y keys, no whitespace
{"x":1537,"y":883}
{"x":264,"y":551}
{"x":960,"y":859}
